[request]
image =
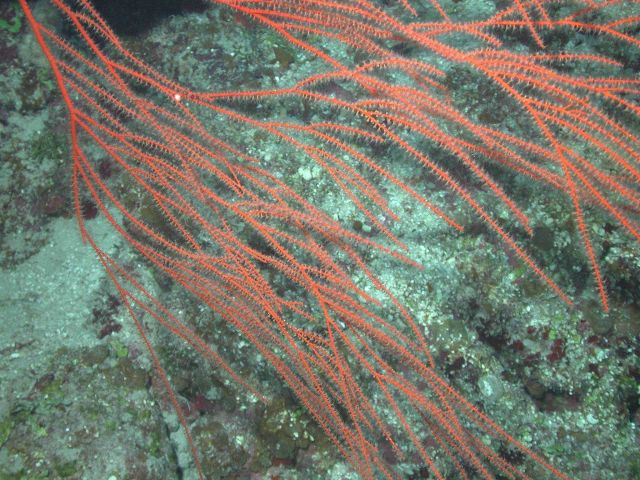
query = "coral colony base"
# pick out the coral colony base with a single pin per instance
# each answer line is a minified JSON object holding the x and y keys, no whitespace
{"x":400,"y":233}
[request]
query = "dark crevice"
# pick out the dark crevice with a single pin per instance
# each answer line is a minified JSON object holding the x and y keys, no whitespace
{"x":133,"y":17}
